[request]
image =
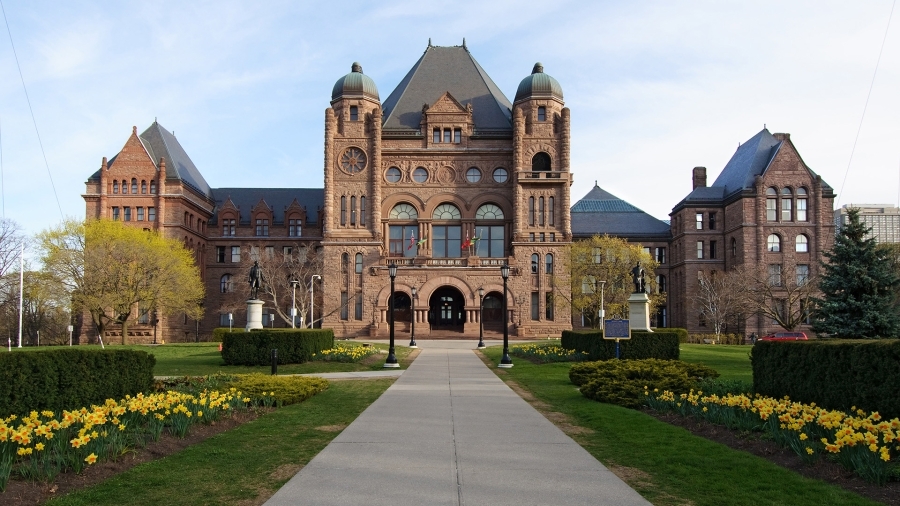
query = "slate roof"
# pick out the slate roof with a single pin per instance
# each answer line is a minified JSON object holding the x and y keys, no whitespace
{"x":600,"y":212}
{"x":277,"y":198}
{"x":447,"y":69}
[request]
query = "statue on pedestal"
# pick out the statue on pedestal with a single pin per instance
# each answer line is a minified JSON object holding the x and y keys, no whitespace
{"x":255,"y":280}
{"x":637,"y":277}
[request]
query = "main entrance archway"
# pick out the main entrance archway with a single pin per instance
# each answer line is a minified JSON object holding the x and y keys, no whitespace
{"x":445,"y":309}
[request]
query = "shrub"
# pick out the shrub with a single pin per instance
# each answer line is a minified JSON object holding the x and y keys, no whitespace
{"x":346,"y":353}
{"x":662,"y":344}
{"x":623,"y":382}
{"x":65,"y":378}
{"x":279,"y":390}
{"x":546,"y":353}
{"x":294,"y":346}
{"x":836,"y":374}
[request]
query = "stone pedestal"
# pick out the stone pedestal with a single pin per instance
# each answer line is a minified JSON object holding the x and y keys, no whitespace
{"x":639,"y":312}
{"x":254,"y":314}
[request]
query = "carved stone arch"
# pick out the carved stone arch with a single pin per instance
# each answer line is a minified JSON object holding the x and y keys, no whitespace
{"x":402,"y":197}
{"x":499,"y":199}
{"x":444,"y":198}
{"x":381,"y":299}
{"x":534,"y":149}
{"x":469,"y":293}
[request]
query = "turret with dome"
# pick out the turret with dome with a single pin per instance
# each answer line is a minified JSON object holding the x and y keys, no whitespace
{"x":539,"y":85}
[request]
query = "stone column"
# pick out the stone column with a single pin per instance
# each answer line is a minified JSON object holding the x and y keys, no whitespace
{"x":639,"y":312}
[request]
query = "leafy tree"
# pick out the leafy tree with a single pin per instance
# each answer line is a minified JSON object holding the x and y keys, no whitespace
{"x":785,"y":295}
{"x":722,"y":298}
{"x":609,"y":260}
{"x":858,"y":287}
{"x":111,"y":269}
{"x":45,"y":307}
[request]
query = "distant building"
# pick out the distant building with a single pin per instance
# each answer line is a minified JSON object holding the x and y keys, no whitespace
{"x":883,"y":219}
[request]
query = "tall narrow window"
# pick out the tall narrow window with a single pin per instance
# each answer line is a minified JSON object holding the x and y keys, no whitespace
{"x":140,"y":214}
{"x":712,"y":221}
{"x":152,"y":187}
{"x":294,"y":227}
{"x":542,"y":113}
{"x":786,"y":200}
{"x":548,"y":264}
{"x":774,"y":243}
{"x":343,"y":211}
{"x":134,"y":186}
{"x":127,"y":214}
{"x":358,"y":307}
{"x":535,"y":261}
{"x":143,"y":187}
{"x":699,"y":249}
{"x":661,"y":255}
{"x":775,"y":275}
{"x":535,"y":306}
{"x":699,"y":221}
{"x":352,"y":210}
{"x":447,"y":135}
{"x":228,"y":227}
{"x":802,"y":244}
{"x":531,"y":211}
{"x":802,"y":274}
{"x":345,"y":314}
{"x":115,"y":213}
{"x":457,"y":135}
{"x":262,"y":227}
{"x":771,"y":204}
{"x":235,"y":254}
{"x":733,"y":247}
{"x":362,"y":211}
{"x":712,"y":249}
{"x":226,"y":284}
{"x":115,"y":186}
{"x":541,"y":211}
{"x":801,"y":204}
{"x":151,"y":214}
{"x":489,"y":231}
{"x":548,"y":306}
{"x":354,"y":113}
{"x":437,"y":135}
{"x":550,"y":207}
{"x":345,"y":263}
{"x":660,"y":283}
{"x":358,"y":263}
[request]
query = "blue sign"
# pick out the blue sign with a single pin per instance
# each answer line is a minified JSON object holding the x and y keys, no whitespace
{"x":616,"y":329}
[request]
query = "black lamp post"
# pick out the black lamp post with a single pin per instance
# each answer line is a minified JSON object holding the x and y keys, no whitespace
{"x":505,"y":362}
{"x":412,"y":327}
{"x":391,"y":358}
{"x":481,"y":318}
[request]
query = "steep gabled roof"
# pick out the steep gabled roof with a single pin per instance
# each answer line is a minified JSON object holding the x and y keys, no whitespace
{"x":279,"y":199}
{"x":447,"y":69}
{"x":601,"y":212}
{"x":159,"y":143}
{"x":751,"y":159}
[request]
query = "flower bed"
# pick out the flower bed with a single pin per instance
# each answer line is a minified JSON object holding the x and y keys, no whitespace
{"x":345,"y":353}
{"x":864,"y":444}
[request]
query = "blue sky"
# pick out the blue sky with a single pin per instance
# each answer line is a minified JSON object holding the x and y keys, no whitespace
{"x":655,"y":88}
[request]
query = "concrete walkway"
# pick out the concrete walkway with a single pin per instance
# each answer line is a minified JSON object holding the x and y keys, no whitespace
{"x":449,"y":432}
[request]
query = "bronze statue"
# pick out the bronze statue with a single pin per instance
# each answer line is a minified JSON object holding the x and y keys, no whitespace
{"x":637,"y":277}
{"x":255,"y":280}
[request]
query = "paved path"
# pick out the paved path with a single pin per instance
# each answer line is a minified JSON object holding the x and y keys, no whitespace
{"x":449,"y":432}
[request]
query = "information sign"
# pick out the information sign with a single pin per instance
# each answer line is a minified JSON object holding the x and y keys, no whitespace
{"x":616,"y":329}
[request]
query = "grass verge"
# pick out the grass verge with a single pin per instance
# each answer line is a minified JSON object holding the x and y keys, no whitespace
{"x":732,"y":362}
{"x":245,"y":465}
{"x":666,"y":464}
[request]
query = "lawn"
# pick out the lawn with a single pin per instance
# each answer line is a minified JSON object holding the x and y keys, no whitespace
{"x":200,"y":359}
{"x":667,"y":464}
{"x":245,"y":465}
{"x":732,"y":362}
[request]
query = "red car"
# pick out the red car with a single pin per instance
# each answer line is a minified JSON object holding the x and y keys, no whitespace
{"x":785,"y":336}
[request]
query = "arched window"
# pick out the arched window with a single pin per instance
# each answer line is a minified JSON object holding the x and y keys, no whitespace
{"x":530,"y":211}
{"x":801,"y":244}
{"x":774,"y":243}
{"x":134,"y":186}
{"x":489,"y":237}
{"x":446,"y":241}
{"x":535,"y":261}
{"x":345,"y":263}
{"x":540,"y":162}
{"x":343,"y":210}
{"x":801,"y":204}
{"x":541,"y":211}
{"x":115,"y":186}
{"x":359,"y":265}
{"x":143,"y":187}
{"x":787,"y":198}
{"x":550,"y":206}
{"x":771,"y":204}
{"x":362,"y":211}
{"x":124,"y":187}
{"x":153,"y":187}
{"x":353,"y":210}
{"x":548,"y":264}
{"x":402,"y":240}
{"x":733,"y":247}
{"x":225,"y":284}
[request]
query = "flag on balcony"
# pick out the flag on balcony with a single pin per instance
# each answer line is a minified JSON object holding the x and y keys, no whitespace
{"x":412,"y":240}
{"x":421,"y":242}
{"x":467,"y":243}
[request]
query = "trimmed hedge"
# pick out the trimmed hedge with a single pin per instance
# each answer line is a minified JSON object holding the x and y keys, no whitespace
{"x":71,"y":378}
{"x":662,"y":344}
{"x":294,"y":346}
{"x":835,"y":374}
{"x":283,"y":390}
{"x":626,"y":382}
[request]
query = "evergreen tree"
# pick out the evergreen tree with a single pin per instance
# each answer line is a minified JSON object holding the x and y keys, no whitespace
{"x":857,"y":287}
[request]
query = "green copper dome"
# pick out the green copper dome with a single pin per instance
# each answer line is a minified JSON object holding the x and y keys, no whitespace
{"x":355,"y":84}
{"x":539,"y":84}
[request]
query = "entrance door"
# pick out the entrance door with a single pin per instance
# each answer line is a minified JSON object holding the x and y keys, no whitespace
{"x":492,"y":312}
{"x":446,"y":309}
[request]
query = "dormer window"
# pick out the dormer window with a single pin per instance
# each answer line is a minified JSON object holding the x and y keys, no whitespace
{"x":354,"y":113}
{"x":115,"y":186}
{"x":542,"y":113}
{"x":457,"y":135}
{"x":437,"y":135}
{"x":447,"y":135}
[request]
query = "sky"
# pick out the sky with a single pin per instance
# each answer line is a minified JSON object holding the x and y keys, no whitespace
{"x":655,"y":88}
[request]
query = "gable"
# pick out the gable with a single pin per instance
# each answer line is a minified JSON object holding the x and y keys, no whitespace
{"x":447,"y":104}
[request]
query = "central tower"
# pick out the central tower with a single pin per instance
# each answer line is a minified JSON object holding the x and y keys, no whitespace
{"x":449,"y":180}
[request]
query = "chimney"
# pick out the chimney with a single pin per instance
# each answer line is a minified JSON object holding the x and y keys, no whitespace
{"x":782,"y":137}
{"x":699,"y":177}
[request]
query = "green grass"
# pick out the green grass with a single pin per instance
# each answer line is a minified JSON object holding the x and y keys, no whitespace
{"x":732,"y":362}
{"x":200,"y":359}
{"x":667,"y":464}
{"x":246,"y":464}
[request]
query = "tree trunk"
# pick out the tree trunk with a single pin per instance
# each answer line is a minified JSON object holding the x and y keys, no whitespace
{"x":125,"y":332}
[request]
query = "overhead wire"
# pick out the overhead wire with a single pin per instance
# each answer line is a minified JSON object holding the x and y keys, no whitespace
{"x":30,"y":109}
{"x":866,"y":106}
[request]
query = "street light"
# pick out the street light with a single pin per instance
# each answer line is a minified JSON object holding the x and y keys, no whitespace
{"x":481,"y":318}
{"x":412,"y":328}
{"x":294,"y":284}
{"x":602,"y":310}
{"x":312,"y":303}
{"x":505,"y":362}
{"x":391,"y":358}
